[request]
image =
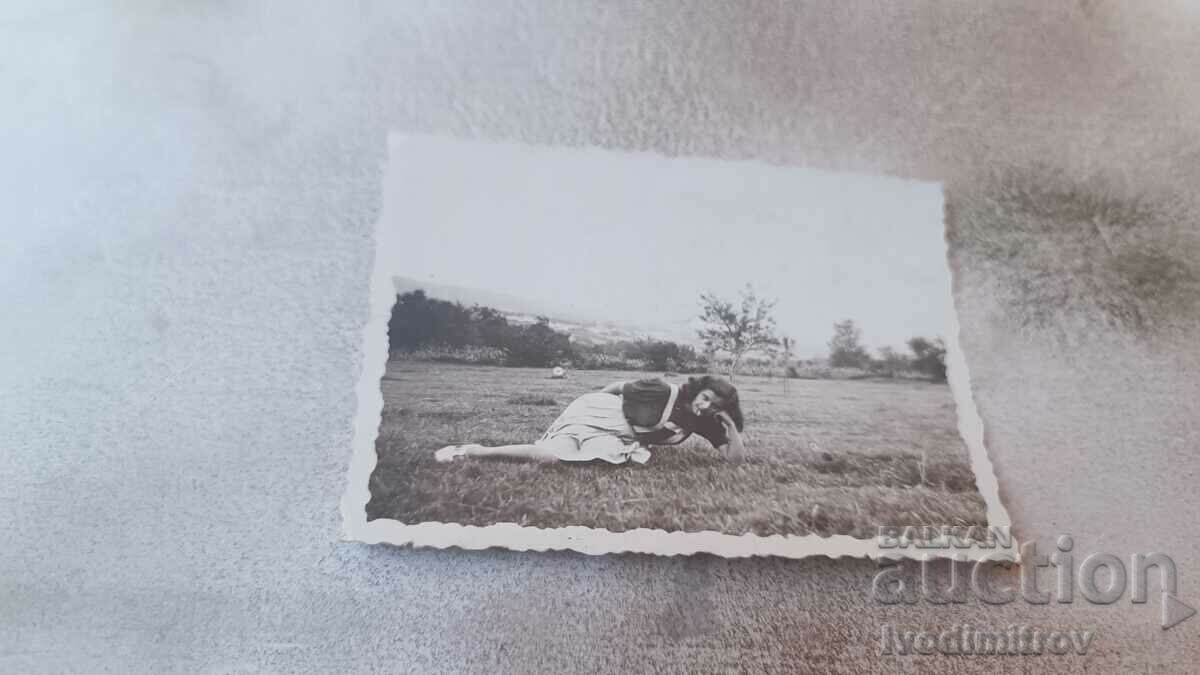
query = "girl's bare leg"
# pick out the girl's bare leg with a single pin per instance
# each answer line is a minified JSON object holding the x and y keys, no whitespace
{"x":519,"y":451}
{"x":528,"y":451}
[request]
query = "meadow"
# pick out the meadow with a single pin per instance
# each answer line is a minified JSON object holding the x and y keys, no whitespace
{"x":823,"y":457}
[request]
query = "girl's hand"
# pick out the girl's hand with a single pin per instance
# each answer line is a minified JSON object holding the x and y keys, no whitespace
{"x":736,"y":447}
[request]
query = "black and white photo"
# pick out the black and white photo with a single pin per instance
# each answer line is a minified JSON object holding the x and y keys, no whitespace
{"x":610,"y":351}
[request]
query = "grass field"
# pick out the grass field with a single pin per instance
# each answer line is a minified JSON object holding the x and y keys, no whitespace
{"x":824,"y":457}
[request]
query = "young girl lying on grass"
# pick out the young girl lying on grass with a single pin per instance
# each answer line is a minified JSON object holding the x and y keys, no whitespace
{"x":617,"y":422}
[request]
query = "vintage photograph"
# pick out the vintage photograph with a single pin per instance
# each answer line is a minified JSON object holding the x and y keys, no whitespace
{"x":628,"y":343}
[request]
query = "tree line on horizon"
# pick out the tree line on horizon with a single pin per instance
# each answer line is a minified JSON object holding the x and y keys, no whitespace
{"x":747,"y":326}
{"x":425,"y":327}
{"x":422,"y":327}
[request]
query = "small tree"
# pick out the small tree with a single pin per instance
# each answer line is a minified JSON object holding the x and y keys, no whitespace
{"x":788,"y":344}
{"x":891,"y":362}
{"x":929,"y":357}
{"x":845,"y":349}
{"x":737,"y":329}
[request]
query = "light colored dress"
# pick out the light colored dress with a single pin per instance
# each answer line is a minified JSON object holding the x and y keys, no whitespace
{"x":594,"y":427}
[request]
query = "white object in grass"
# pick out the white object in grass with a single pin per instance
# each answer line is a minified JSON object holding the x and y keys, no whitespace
{"x":450,"y":453}
{"x":558,"y":373}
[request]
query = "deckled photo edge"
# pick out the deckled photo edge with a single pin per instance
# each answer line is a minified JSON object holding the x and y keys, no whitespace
{"x":592,"y":541}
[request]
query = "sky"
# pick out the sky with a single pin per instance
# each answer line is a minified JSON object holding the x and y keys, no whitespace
{"x":637,"y":237}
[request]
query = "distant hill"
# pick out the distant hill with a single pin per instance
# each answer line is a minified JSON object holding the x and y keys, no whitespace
{"x":581,"y":327}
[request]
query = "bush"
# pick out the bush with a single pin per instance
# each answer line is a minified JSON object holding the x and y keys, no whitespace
{"x":808,"y":371}
{"x":663,"y":354}
{"x":690,"y":367}
{"x":929,"y":357}
{"x":538,"y":345}
{"x":647,"y":354}
{"x":597,"y":360}
{"x":482,"y":356}
{"x":758,"y":369}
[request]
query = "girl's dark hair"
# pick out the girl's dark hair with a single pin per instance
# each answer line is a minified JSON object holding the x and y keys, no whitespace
{"x":722,"y":388}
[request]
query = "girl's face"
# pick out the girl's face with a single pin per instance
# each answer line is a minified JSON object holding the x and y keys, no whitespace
{"x":706,"y":403}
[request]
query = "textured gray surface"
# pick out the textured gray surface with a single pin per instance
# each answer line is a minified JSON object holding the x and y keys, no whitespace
{"x":189,"y":201}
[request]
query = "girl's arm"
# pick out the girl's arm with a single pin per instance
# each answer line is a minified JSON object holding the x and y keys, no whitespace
{"x":735,"y":447}
{"x":614,"y":388}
